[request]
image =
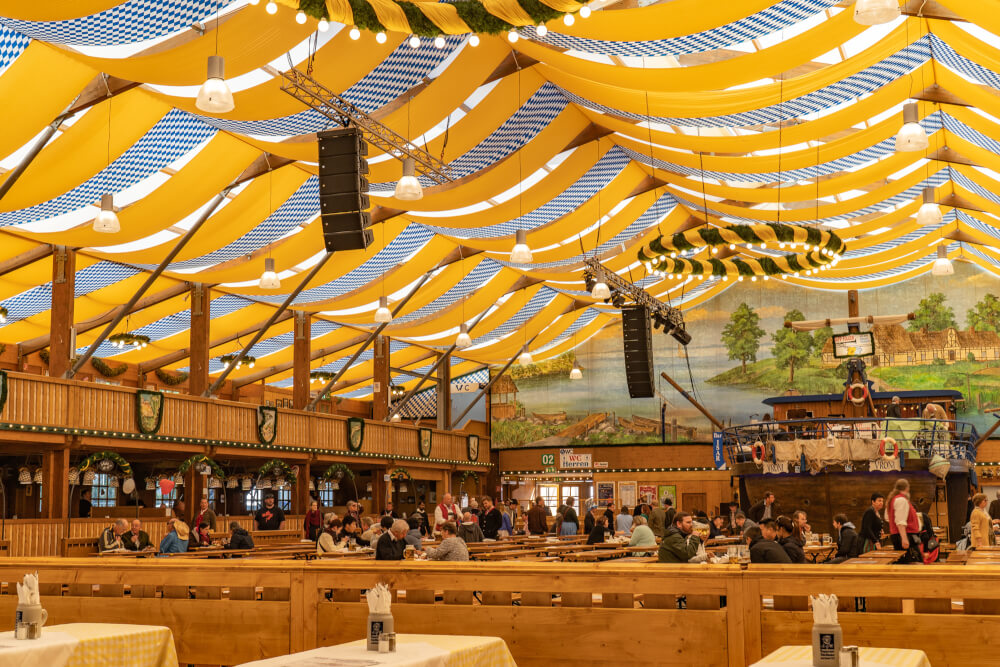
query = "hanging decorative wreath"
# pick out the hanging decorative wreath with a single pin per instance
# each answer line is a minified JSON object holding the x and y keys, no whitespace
{"x":279,"y":467}
{"x":96,"y":462}
{"x":123,"y":340}
{"x":435,"y":19}
{"x":200,"y":459}
{"x":170,"y":380}
{"x":227,"y":359}
{"x":466,"y":475}
{"x":105,"y":369}
{"x":338,"y":471}
{"x":44,"y":356}
{"x":820,"y":249}
{"x":401,"y":473}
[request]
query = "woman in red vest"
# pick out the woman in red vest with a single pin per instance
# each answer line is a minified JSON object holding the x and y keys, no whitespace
{"x":904,"y":525}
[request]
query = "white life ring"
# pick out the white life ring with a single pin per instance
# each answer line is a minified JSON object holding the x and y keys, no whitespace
{"x":757,"y":447}
{"x":884,"y":444}
{"x":861,"y":395}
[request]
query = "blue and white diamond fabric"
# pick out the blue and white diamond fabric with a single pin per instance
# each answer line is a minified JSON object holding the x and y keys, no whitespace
{"x":127,"y":23}
{"x":12,"y":44}
{"x":582,"y":321}
{"x":947,"y":55}
{"x":482,"y":273}
{"x":536,"y":303}
{"x":423,"y":405}
{"x":772,"y":19}
{"x":171,"y":137}
{"x":90,"y":279}
{"x":866,"y":81}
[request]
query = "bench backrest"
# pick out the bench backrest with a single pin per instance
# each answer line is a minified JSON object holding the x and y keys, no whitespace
{"x":78,"y":546}
{"x":268,"y":537}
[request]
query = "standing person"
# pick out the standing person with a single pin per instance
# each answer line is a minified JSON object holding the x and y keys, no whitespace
{"x":270,"y":517}
{"x":538,"y":517}
{"x":786,"y":538}
{"x":136,"y":539}
{"x":658,"y":520}
{"x":670,"y":512}
{"x":895,"y":409}
{"x":451,"y":547}
{"x":473,"y":509}
{"x":570,"y":522}
{"x":470,"y":531}
{"x":994,"y":510}
{"x":353,"y":509}
{"x":848,"y":542}
{"x":446,"y":510}
{"x":982,"y":526}
{"x":85,"y":505}
{"x":679,"y":545}
{"x":421,"y":514}
{"x":734,"y":507}
{"x":312,"y":524}
{"x":490,"y":519}
{"x":393,"y":542}
{"x":764,"y":509}
{"x":871,"y":524}
{"x":609,"y":513}
{"x":204,"y":515}
{"x":624,"y":521}
{"x":111,"y":538}
{"x":763,"y":548}
{"x":508,"y":518}
{"x":904,"y":526}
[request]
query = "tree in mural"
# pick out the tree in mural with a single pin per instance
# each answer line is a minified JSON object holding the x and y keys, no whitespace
{"x":932,"y":314}
{"x":791,"y":347}
{"x":742,"y":335}
{"x":820,"y":336}
{"x":985,"y":315}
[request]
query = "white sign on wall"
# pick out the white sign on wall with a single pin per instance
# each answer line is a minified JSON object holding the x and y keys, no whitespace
{"x":775,"y":468}
{"x":884,"y":465}
{"x":567,"y":459}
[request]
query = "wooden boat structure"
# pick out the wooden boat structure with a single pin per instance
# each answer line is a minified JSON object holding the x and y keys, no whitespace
{"x":553,"y":418}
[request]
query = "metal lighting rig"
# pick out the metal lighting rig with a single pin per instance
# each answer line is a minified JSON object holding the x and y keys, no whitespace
{"x":665,"y":317}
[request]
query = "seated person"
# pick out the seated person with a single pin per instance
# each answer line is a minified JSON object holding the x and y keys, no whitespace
{"x":642,"y":535}
{"x":451,"y":547}
{"x":392,"y":543}
{"x":848,"y":542}
{"x":786,"y":538}
{"x":413,"y":536}
{"x":176,"y":541}
{"x":599,"y":531}
{"x":470,"y":531}
{"x":370,"y":531}
{"x":741,"y":525}
{"x":715,"y":527}
{"x":238,"y":537}
{"x":327,"y":541}
{"x":111,"y":538}
{"x":679,"y":544}
{"x":763,"y":548}
{"x":349,"y":533}
{"x":136,"y":539}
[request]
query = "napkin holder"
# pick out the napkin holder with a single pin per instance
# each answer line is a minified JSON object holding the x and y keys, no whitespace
{"x":827,"y":637}
{"x":28,"y":621}
{"x":378,"y":624}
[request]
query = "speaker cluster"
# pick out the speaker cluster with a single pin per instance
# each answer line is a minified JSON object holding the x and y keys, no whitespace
{"x":343,"y":190}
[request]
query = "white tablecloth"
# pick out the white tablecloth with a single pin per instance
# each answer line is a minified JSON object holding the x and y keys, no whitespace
{"x":411,"y":651}
{"x":91,"y":645}
{"x":801,"y":656}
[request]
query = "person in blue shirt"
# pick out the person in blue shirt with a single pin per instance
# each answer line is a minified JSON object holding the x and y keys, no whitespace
{"x":176,"y":541}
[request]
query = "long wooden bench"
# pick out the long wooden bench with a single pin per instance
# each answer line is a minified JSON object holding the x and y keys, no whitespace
{"x":74,"y":547}
{"x":268,"y":537}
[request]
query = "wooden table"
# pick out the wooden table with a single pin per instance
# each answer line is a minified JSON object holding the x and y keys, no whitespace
{"x":801,"y":656}
{"x":879,"y":557}
{"x":92,"y":645}
{"x":593,"y":555}
{"x":818,"y":554}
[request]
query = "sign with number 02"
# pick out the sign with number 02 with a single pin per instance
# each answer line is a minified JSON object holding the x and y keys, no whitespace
{"x":548,"y":459}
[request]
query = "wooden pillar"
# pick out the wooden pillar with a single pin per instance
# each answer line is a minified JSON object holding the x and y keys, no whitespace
{"x":55,"y":484}
{"x":302,"y":497}
{"x":444,"y":395}
{"x":852,"y":303}
{"x":301,"y":351}
{"x":199,"y":337}
{"x":61,"y":317}
{"x":381,"y":380}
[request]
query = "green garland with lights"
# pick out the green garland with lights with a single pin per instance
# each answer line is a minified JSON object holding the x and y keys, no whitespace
{"x":198,"y":459}
{"x":280,"y":467}
{"x":331,"y":472}
{"x":821,"y":248}
{"x":472,"y":12}
{"x":105,"y":369}
{"x":170,"y":380}
{"x":401,"y":473}
{"x":94,"y":459}
{"x":466,"y":475}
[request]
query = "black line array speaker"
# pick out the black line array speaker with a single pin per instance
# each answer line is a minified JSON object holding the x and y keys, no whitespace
{"x":637,"y":336}
{"x":343,"y":190}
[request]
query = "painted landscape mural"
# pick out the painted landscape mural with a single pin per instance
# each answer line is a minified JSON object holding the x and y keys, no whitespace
{"x":741,"y":353}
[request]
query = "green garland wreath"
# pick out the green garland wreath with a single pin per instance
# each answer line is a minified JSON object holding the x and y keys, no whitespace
{"x":332,"y":471}
{"x":471,"y":11}
{"x":105,"y":369}
{"x":466,"y":475}
{"x":199,"y":459}
{"x":279,"y":466}
{"x":170,"y":380}
{"x":44,"y":356}
{"x":93,"y":459}
{"x":401,"y":473}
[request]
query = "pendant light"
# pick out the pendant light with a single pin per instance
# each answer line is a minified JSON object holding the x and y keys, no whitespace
{"x":382,"y":313}
{"x":601,"y":290}
{"x":876,"y":12}
{"x":463,"y":340}
{"x":269,"y":279}
{"x":911,"y":136}
{"x":929,"y":212}
{"x":576,"y":373}
{"x":214,"y":95}
{"x":408,"y":188}
{"x":106,"y":221}
{"x":521,"y":254}
{"x":942,"y":265}
{"x":525,"y":357}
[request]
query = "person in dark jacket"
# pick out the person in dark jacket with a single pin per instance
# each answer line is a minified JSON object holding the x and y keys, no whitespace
{"x":994,"y":510}
{"x":239,"y":538}
{"x":786,"y":538}
{"x":848,"y":542}
{"x":871,"y":524}
{"x":763,"y":548}
{"x":668,"y":512}
{"x":764,"y":509}
{"x":715,"y":527}
{"x":597,"y":534}
{"x":678,"y":544}
{"x":609,"y":513}
{"x":538,"y":517}
{"x":392,"y":543}
{"x":490,"y":520}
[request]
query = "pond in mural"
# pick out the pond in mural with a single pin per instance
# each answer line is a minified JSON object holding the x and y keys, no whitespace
{"x":741,"y":353}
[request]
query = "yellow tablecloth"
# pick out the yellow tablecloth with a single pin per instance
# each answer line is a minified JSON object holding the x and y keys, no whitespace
{"x":801,"y":656}
{"x":93,"y":645}
{"x":411,"y":651}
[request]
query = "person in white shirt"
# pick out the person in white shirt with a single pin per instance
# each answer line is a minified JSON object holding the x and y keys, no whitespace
{"x":445,"y":511}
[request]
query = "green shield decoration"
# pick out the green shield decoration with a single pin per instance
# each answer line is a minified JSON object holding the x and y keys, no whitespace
{"x":148,"y":411}
{"x":3,"y":389}
{"x":472,"y":447}
{"x":426,"y":441}
{"x":355,"y":433}
{"x":267,"y":424}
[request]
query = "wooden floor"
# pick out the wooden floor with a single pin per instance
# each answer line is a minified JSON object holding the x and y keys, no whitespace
{"x":548,"y":613}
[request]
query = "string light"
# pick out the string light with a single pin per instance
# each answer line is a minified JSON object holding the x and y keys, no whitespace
{"x":414,"y":42}
{"x":541,"y":30}
{"x":355,"y":34}
{"x":439,"y":42}
{"x":300,"y":18}
{"x":568,"y":19}
{"x":271,"y":7}
{"x":474,"y":40}
{"x":381,"y":37}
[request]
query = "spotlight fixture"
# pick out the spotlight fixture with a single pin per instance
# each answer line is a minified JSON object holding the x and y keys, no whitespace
{"x":600,"y":290}
{"x":942,"y":265}
{"x":382,"y":313}
{"x":214,"y":95}
{"x":269,"y":279}
{"x":875,"y":12}
{"x":396,"y":392}
{"x":408,"y":188}
{"x":106,"y":221}
{"x":525,"y":357}
{"x":911,"y":136}
{"x":617,"y":299}
{"x":929,"y":212}
{"x":521,"y":254}
{"x":463,"y":340}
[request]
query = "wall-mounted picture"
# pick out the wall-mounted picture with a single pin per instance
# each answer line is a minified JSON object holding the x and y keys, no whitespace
{"x":667,"y":491}
{"x":646,"y":493}
{"x":605,"y":492}
{"x":627,"y":493}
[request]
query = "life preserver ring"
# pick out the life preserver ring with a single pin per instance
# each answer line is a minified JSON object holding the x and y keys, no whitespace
{"x":857,"y":393}
{"x":886,"y":442}
{"x":757,"y":452}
